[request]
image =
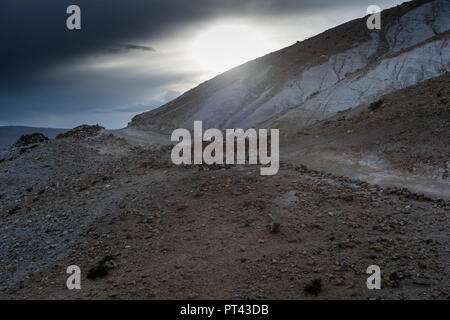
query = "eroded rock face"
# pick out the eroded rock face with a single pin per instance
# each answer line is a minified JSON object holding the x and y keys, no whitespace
{"x":418,"y":25}
{"x":401,"y":71}
{"x":30,"y":139}
{"x":312,"y":80}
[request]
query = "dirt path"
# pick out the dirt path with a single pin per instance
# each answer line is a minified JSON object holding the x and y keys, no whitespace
{"x":374,"y":172}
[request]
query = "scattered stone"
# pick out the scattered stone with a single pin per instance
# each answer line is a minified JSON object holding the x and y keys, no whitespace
{"x":346,"y":197}
{"x":338,"y":282}
{"x":342,"y":245}
{"x":422,"y":264}
{"x":394,"y":279}
{"x":192,"y":296}
{"x":421,"y":282}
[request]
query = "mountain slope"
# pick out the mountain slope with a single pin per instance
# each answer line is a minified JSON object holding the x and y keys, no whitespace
{"x":341,"y":68}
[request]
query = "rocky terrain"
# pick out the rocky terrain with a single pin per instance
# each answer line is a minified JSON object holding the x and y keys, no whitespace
{"x":208,"y":232}
{"x":363,"y":181}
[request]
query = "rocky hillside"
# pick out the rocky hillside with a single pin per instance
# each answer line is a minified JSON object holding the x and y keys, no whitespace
{"x":341,"y":68}
{"x":400,"y":139}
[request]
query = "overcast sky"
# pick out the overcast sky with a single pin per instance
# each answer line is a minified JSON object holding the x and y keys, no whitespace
{"x":135,"y":55}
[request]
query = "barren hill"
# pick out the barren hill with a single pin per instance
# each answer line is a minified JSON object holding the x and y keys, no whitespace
{"x":341,"y":68}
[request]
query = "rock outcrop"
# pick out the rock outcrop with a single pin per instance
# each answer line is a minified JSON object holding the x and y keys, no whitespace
{"x":81,"y":132}
{"x":30,"y":139}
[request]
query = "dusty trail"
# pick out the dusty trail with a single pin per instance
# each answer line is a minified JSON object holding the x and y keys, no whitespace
{"x":344,"y":164}
{"x":321,"y":155}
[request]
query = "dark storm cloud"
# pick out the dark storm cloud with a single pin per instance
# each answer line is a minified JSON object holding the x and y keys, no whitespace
{"x":128,"y":47}
{"x":39,"y":56}
{"x":136,"y":47}
{"x":58,"y":96}
{"x":34,"y":36}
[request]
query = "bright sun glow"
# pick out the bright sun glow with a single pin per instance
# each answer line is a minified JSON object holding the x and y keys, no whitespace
{"x":226,"y":46}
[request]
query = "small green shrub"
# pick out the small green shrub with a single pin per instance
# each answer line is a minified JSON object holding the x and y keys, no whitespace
{"x":376,"y":105}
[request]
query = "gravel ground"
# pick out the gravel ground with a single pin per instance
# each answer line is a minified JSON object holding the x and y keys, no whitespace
{"x":199,"y":232}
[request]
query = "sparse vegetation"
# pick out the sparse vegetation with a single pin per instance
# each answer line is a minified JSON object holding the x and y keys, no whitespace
{"x":376,"y":105}
{"x":314,"y":287}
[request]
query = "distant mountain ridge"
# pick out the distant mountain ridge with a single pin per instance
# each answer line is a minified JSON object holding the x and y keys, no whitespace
{"x":342,"y":68}
{"x":10,"y":134}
